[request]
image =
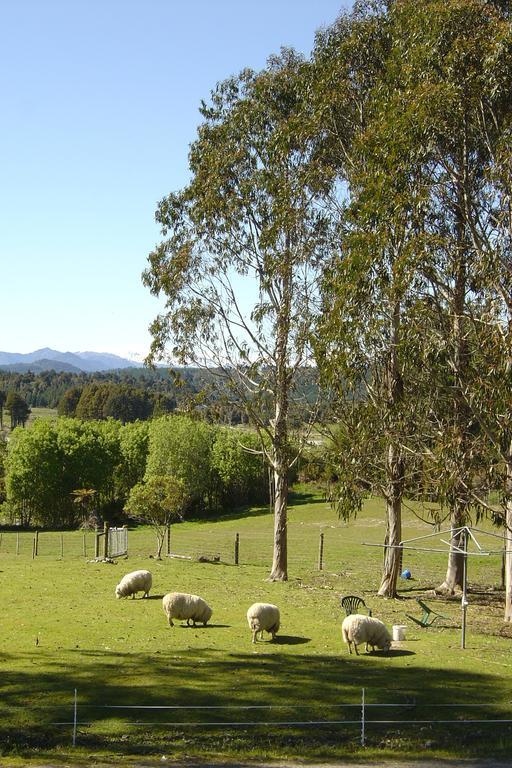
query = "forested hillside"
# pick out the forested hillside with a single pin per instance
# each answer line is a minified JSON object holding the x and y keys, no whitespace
{"x":157,"y":391}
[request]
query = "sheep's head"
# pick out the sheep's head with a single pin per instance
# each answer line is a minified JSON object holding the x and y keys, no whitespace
{"x":118,"y":591}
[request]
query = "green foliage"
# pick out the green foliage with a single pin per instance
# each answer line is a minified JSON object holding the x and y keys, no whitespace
{"x":69,"y":401}
{"x":49,"y":461}
{"x":239,"y":466}
{"x":181,"y":447}
{"x":134,"y":447}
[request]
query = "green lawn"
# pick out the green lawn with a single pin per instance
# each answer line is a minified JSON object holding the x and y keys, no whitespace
{"x":63,"y":629}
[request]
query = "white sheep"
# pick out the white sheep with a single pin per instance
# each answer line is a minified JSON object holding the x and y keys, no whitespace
{"x":136,"y":581}
{"x":182,"y":606}
{"x":263,"y":616}
{"x":358,"y":629}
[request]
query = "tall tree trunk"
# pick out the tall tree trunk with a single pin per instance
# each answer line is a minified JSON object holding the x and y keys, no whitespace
{"x":508,"y":540}
{"x":460,"y":501}
{"x":394,"y":467}
{"x":280,"y":451}
{"x":392,"y":557}
{"x":455,"y":571}
{"x":280,"y":560}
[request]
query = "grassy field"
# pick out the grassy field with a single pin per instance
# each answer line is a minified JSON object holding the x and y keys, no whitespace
{"x":35,"y":413}
{"x":63,"y":629}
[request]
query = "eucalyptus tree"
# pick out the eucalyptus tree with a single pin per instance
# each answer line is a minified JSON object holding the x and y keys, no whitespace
{"x":456,"y":64}
{"x":240,"y":260}
{"x":489,"y":222}
{"x":371,"y":282}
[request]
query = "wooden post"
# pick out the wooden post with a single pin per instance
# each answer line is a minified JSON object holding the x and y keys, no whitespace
{"x":17,"y":542}
{"x":37,"y":544}
{"x":321,"y":552}
{"x":0,"y":539}
{"x":85,"y":547}
{"x":97,"y":544}
{"x":33,"y":547}
{"x":169,"y":539}
{"x":105,"y":543}
{"x":62,"y":545}
{"x":237,"y":548}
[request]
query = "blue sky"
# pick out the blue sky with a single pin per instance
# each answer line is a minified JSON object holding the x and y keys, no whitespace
{"x":99,"y":105}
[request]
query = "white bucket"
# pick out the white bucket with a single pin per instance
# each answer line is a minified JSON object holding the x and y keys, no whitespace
{"x":399,"y":631}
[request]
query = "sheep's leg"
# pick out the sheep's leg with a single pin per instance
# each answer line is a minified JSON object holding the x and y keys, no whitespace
{"x":254,"y":635}
{"x":171,"y":622}
{"x":355,"y":647}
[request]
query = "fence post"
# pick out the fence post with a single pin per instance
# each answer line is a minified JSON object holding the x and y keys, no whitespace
{"x":321,"y":553}
{"x":363,"y":734}
{"x":97,"y":544}
{"x":85,"y":546}
{"x":37,"y":544}
{"x":33,"y":547}
{"x":62,"y":545}
{"x":17,"y":542}
{"x":75,"y":712}
{"x":237,"y":548}
{"x":105,"y":543}
{"x":0,"y":539}
{"x":169,"y":540}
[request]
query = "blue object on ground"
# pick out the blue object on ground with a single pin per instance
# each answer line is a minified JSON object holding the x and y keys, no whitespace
{"x":406,"y":574}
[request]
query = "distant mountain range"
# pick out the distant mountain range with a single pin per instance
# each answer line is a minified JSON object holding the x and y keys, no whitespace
{"x":47,"y":359}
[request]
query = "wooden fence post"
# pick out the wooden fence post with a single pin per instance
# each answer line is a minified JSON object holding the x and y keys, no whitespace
{"x":33,"y":547}
{"x":62,"y":545}
{"x":321,"y":553}
{"x":36,"y":544}
{"x":85,"y":546}
{"x":169,"y":540}
{"x":105,"y":543}
{"x":237,"y":548}
{"x":97,"y":544}
{"x":17,"y":542}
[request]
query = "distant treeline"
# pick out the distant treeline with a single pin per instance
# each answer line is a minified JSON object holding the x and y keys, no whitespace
{"x":135,"y":393}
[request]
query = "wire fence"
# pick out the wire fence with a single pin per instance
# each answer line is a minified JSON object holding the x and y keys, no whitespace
{"x":359,"y":721}
{"x":310,"y":549}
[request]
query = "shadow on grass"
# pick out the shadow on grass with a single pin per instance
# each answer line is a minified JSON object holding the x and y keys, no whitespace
{"x":199,"y":626}
{"x":291,"y":640}
{"x":119,"y":696}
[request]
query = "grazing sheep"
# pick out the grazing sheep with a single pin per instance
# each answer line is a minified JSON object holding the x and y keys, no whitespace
{"x":358,"y":629}
{"x":182,"y":606}
{"x":136,"y":581}
{"x":263,"y":616}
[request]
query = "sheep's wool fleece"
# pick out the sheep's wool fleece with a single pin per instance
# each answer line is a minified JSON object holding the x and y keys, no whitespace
{"x":136,"y":581}
{"x":263,"y":616}
{"x":184,"y":607}
{"x":358,"y":629}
